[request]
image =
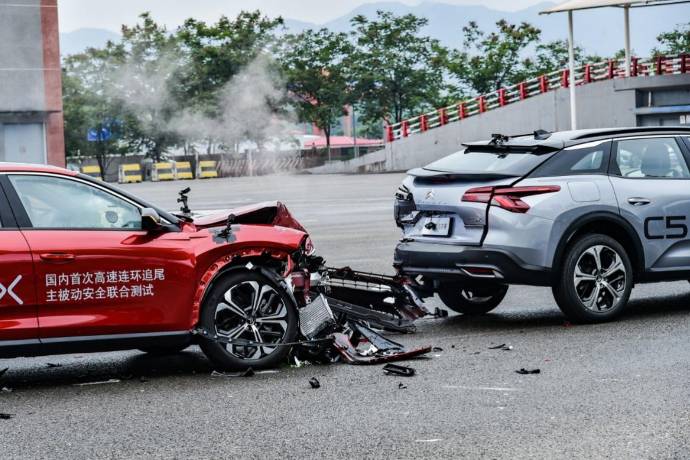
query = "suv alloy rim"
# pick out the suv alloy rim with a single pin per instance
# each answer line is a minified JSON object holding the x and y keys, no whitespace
{"x":599,"y":278}
{"x":254,"y":312}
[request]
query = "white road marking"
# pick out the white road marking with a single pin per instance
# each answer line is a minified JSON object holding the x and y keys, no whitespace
{"x":460,"y":387}
{"x":429,"y":440}
{"x":104,"y":382}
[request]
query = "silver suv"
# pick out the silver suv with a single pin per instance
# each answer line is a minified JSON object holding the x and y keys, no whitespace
{"x":588,"y":212}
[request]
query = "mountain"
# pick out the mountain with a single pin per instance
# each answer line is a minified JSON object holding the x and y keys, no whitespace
{"x":80,"y":39}
{"x":598,"y":31}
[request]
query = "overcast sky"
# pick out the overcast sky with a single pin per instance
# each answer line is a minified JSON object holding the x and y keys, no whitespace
{"x":102,"y":14}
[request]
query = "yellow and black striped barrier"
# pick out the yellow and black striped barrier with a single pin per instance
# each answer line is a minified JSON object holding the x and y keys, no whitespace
{"x":207,"y":169}
{"x":92,"y":170}
{"x":129,"y":173}
{"x":183,"y":170}
{"x":163,"y":171}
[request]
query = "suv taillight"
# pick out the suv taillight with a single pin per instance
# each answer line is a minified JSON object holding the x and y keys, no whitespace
{"x":508,"y":198}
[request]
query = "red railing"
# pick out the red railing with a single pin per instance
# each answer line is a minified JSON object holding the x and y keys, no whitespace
{"x":588,"y":73}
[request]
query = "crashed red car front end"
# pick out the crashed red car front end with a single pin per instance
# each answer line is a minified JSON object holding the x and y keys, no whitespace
{"x":87,"y":267}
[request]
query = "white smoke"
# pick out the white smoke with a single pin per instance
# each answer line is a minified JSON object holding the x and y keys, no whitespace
{"x":249,"y":116}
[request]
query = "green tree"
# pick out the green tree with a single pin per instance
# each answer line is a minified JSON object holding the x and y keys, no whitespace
{"x":491,"y":61}
{"x":398,"y":71}
{"x":316,"y":68}
{"x":676,"y":41}
{"x":550,"y":57}
{"x":87,"y":105}
{"x":145,"y":81}
{"x":216,"y":53}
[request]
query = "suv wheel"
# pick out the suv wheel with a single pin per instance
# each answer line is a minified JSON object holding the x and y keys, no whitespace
{"x":247,"y":306}
{"x":472,"y":300}
{"x":596,"y":280}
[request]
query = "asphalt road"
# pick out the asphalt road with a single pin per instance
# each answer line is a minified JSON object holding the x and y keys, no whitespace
{"x":617,"y":390}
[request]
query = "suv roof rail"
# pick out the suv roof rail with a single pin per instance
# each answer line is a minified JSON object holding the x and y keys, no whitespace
{"x":639,"y":129}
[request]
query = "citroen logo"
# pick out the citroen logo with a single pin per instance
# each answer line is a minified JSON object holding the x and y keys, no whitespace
{"x":430,"y":195}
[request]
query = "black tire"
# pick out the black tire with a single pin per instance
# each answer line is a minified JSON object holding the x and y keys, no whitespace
{"x":275,"y":320}
{"x":162,"y":351}
{"x":472,"y":299}
{"x":602,"y":293}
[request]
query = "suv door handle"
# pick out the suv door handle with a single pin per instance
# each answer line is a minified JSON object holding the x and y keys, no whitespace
{"x":636,"y":201}
{"x":58,"y":258}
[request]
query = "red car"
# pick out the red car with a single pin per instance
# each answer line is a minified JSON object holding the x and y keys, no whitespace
{"x":88,"y":267}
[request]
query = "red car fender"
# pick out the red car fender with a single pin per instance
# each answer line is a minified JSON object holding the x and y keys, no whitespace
{"x":221,"y":263}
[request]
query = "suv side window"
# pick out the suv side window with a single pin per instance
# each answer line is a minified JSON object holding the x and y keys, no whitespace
{"x":575,"y":160}
{"x":61,"y":203}
{"x":654,"y":157}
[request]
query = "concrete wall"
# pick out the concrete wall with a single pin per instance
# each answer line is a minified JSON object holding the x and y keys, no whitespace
{"x":609,"y":103}
{"x":30,"y":75}
{"x":21,"y":56}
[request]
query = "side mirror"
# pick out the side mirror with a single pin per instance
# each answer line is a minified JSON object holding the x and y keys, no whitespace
{"x":150,"y":220}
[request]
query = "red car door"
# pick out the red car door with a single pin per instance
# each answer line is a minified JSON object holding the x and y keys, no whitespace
{"x":97,"y":271}
{"x":18,"y":320}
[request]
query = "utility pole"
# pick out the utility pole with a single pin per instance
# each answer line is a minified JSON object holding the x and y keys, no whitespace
{"x":354,"y":130}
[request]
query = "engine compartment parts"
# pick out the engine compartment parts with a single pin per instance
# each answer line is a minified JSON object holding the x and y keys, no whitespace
{"x":316,"y":317}
{"x":385,"y":302}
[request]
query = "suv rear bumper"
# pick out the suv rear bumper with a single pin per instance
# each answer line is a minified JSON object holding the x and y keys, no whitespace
{"x":442,"y":261}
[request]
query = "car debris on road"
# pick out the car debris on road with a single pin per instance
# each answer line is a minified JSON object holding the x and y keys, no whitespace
{"x":395,"y":369}
{"x":524,"y":371}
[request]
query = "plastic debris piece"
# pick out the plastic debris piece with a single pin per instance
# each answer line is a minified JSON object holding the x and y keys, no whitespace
{"x":440,"y":313}
{"x":314,"y":382}
{"x":437,"y":349}
{"x":397,"y":352}
{"x":6,"y":390}
{"x":524,"y":371}
{"x":394,"y":369}
{"x":402,"y":386}
{"x":502,"y":346}
{"x":6,"y":416}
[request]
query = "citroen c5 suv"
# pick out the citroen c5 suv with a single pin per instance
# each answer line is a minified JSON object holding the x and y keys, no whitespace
{"x":589,"y":213}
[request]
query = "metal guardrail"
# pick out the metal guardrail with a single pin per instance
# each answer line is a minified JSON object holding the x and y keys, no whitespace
{"x":588,"y":73}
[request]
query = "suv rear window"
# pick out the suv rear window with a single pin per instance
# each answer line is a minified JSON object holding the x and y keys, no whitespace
{"x":590,"y":158}
{"x":502,"y":163}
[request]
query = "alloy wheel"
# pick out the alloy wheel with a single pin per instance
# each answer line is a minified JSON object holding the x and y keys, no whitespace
{"x":254,"y":313}
{"x":600,"y":278}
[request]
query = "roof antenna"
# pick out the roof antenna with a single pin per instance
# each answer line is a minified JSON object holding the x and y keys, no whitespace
{"x":541,"y":134}
{"x":499,"y":139}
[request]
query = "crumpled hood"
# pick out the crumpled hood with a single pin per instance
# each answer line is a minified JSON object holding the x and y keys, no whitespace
{"x":266,"y":213}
